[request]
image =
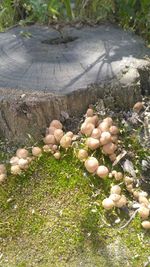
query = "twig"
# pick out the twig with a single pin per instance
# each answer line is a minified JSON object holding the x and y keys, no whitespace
{"x":131,"y":218}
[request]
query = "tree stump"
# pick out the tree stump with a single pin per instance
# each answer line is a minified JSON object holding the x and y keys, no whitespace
{"x":44,"y":73}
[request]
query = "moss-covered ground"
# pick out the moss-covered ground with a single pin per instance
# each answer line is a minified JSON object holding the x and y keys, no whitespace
{"x":52,"y":216}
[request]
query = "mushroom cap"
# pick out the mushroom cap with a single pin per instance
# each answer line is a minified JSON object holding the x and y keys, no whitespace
{"x":51,"y":130}
{"x":143,"y":200}
{"x":23,"y":163}
{"x":115,"y":197}
{"x":82,"y":154}
{"x":91,"y":164}
{"x":22,"y":153}
{"x":15,"y":170}
{"x":115,"y":189}
{"x":57,"y":124}
{"x":128,"y":180}
{"x":87,"y":128}
{"x":89,"y":112}
{"x":70,"y":134}
{"x":102,"y":171}
{"x":46,"y":148}
{"x":96,"y":133}
{"x":105,"y":138}
{"x":65,"y":141}
{"x":121,"y":202}
{"x":2,"y":169}
{"x":14,"y":160}
{"x":108,"y":120}
{"x":146,"y":224}
{"x":118,"y":176}
{"x":143,"y":212}
{"x":109,"y":148}
{"x":138,"y":107}
{"x":58,"y":134}
{"x":57,"y":155}
{"x":36,"y":151}
{"x":114,"y":139}
{"x":104,"y":126}
{"x":107,"y":203}
{"x":114,"y":130}
{"x":49,"y":139}
{"x":92,"y":143}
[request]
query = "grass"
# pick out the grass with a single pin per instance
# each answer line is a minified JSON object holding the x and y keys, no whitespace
{"x":52,"y":216}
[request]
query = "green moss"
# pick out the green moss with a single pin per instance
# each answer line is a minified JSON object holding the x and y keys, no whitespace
{"x":52,"y":216}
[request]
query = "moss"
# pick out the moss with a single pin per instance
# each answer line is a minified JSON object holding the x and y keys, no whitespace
{"x":52,"y":216}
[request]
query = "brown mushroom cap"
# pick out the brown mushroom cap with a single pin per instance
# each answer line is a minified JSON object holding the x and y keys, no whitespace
{"x":3,"y":177}
{"x":36,"y":151}
{"x":96,"y":133}
{"x":115,"y":189}
{"x":143,"y":212}
{"x":92,"y":143}
{"x":87,"y":128}
{"x":108,"y":120}
{"x":57,"y":155}
{"x":65,"y":141}
{"x":82,"y":154}
{"x":107,"y":203}
{"x":89,"y":112}
{"x":105,"y":138}
{"x":146,"y":224}
{"x":114,"y":130}
{"x":49,"y":139}
{"x":104,"y":126}
{"x":22,"y":153}
{"x":138,"y":107}
{"x":56,"y":124}
{"x":70,"y":134}
{"x":109,"y":148}
{"x":15,"y":170}
{"x":58,"y":134}
{"x":121,"y":202}
{"x":102,"y":171}
{"x":51,"y":130}
{"x":91,"y":164}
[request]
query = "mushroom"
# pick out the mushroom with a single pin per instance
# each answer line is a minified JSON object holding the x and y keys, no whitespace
{"x":56,"y":123}
{"x":96,"y":133}
{"x":91,"y":164}
{"x":54,"y":148}
{"x":109,"y":148}
{"x":128,"y":180}
{"x":115,"y":189}
{"x":102,"y":171}
{"x":51,"y":130}
{"x":146,"y":224}
{"x":22,"y":153}
{"x":113,"y":130}
{"x":92,"y":143}
{"x":87,"y":128}
{"x":115,"y":197}
{"x":107,"y":203}
{"x":36,"y":151}
{"x":138,"y":107}
{"x":49,"y":139}
{"x":14,"y":160}
{"x":108,"y":120}
{"x":143,"y":212}
{"x":89,"y":112}
{"x":2,"y":169}
{"x":23,"y":164}
{"x":57,"y":155}
{"x":82,"y":154}
{"x":114,"y":139}
{"x":15,"y":170}
{"x":58,"y":134}
{"x":46,"y":148}
{"x":121,"y":202}
{"x":104,"y":126}
{"x":143,"y":200}
{"x":135,"y":193}
{"x":70,"y":134}
{"x":3,"y":177}
{"x":118,"y":176}
{"x":105,"y":138}
{"x":65,"y":141}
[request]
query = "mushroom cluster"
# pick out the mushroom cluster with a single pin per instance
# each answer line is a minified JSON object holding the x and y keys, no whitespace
{"x":115,"y":199}
{"x":97,"y":135}
{"x":100,"y":134}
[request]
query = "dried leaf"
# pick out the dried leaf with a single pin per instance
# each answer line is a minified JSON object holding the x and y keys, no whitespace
{"x":119,"y":157}
{"x":128,"y":167}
